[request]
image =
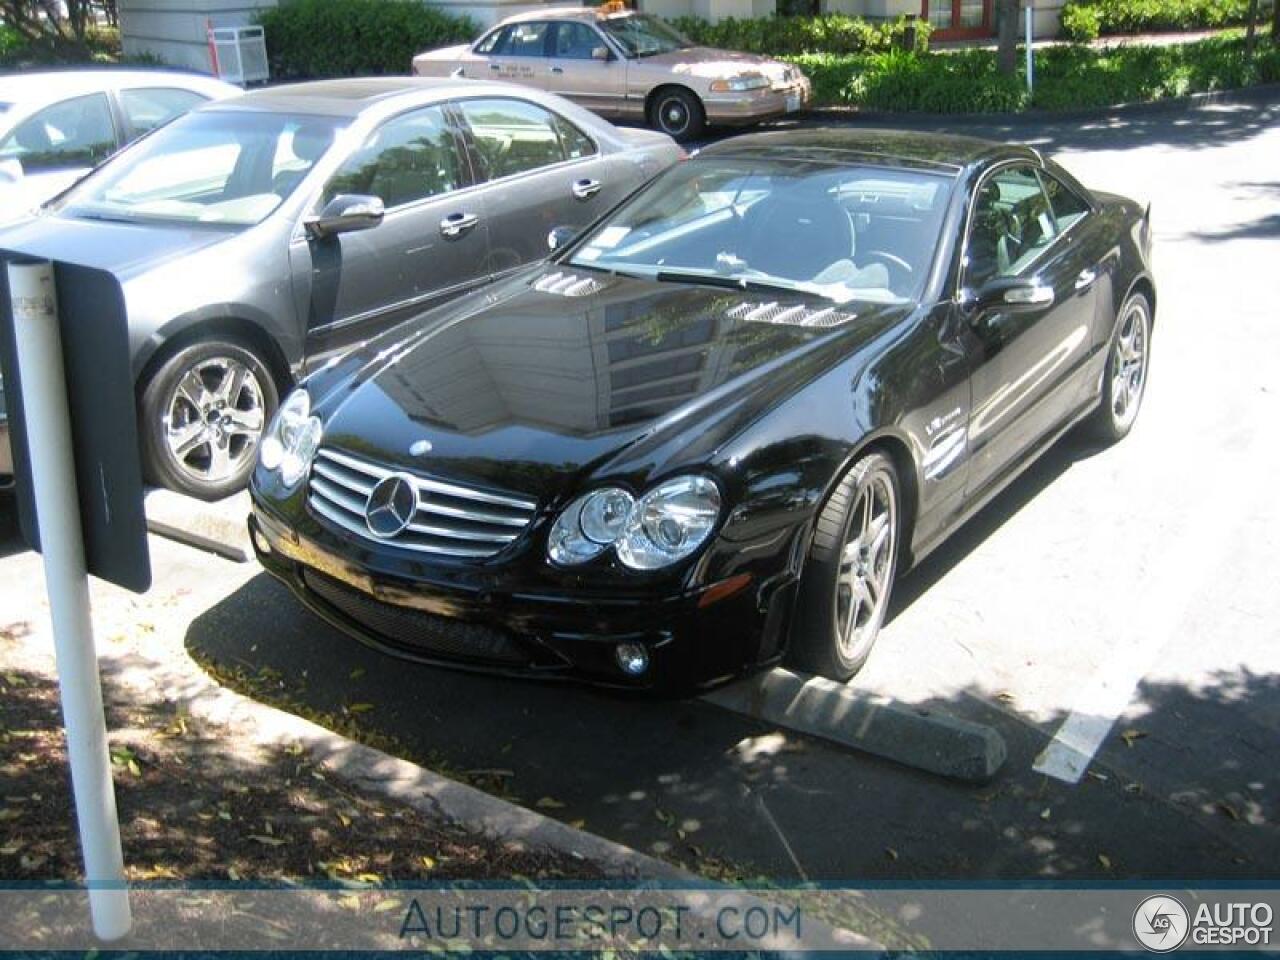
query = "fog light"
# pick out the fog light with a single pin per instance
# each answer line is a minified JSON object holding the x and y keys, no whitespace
{"x":632,"y":658}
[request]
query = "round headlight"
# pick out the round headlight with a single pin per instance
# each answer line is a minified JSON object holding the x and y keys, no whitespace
{"x":588,"y":525}
{"x":670,"y":522}
{"x":605,"y":513}
{"x":292,"y":440}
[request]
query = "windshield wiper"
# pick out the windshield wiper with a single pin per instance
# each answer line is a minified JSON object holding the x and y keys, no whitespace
{"x":733,"y":283}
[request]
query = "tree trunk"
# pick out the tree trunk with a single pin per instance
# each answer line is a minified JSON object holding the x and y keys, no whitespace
{"x":1275,"y":24}
{"x":1007,"y":52}
{"x":1251,"y":32}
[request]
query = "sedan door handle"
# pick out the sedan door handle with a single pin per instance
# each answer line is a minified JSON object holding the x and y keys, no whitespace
{"x":1085,"y":278}
{"x":495,"y":66}
{"x":456,"y":224}
{"x":586,"y":189}
{"x":557,"y":69}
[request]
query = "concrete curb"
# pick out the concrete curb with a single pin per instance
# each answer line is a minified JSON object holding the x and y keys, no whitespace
{"x":220,"y":527}
{"x":1261,"y":93}
{"x":924,"y":739}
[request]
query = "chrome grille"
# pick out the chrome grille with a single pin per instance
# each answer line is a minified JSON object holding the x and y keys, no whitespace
{"x":450,"y":520}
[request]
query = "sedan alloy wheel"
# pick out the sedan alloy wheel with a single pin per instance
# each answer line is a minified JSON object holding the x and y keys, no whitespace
{"x":215,"y":419}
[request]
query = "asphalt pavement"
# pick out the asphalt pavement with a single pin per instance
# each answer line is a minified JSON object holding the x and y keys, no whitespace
{"x":1120,"y":601}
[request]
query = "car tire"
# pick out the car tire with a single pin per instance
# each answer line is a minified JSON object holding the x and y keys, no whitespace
{"x":678,"y":113}
{"x":1124,"y":382}
{"x":848,"y":576}
{"x":202,"y":415}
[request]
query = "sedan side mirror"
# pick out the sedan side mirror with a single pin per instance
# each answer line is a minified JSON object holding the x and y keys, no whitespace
{"x":560,"y":237}
{"x":601,"y":53}
{"x":1007,"y":295}
{"x":346,"y":213}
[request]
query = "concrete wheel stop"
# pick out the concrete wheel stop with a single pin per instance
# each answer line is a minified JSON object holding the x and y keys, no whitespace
{"x":840,"y":713}
{"x":220,"y":527}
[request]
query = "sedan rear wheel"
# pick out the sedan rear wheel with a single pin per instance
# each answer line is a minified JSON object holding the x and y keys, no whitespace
{"x":844,"y":593}
{"x":204,"y":413}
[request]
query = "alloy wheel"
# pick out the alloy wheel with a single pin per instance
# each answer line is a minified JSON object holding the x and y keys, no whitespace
{"x":1129,"y":366}
{"x":673,"y":115}
{"x":214,"y":419}
{"x":866,"y":566}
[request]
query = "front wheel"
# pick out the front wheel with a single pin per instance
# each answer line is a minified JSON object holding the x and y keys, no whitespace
{"x":844,"y":592}
{"x":677,"y":113}
{"x":203,"y":414}
{"x":1125,"y":381}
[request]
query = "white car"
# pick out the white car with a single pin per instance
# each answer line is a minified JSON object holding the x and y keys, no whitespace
{"x":57,"y":126}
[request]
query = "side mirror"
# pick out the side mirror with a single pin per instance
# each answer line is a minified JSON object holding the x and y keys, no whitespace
{"x":11,"y":170}
{"x":601,"y":53}
{"x":1007,"y":295}
{"x":346,"y":213}
{"x":560,"y":237}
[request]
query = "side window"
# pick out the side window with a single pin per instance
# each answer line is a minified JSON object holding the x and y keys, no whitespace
{"x":1068,"y":206}
{"x":408,"y":158}
{"x":576,"y":143}
{"x":574,"y":41}
{"x":523,"y":40}
{"x":145,"y":108}
{"x":1010,"y":227}
{"x":70,"y":134}
{"x":490,"y":42}
{"x":512,"y":136}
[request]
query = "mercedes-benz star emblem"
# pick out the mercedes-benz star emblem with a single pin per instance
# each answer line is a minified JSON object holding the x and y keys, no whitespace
{"x":391,"y":506}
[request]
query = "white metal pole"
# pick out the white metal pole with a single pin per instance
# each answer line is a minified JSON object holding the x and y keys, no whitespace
{"x":1031,"y":60}
{"x":53,"y":481}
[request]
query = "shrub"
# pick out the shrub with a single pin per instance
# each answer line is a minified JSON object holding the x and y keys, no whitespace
{"x":329,"y":38}
{"x":1080,"y":18}
{"x":784,"y":36}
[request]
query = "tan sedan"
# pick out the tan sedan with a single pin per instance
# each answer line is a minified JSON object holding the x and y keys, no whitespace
{"x":627,"y":66}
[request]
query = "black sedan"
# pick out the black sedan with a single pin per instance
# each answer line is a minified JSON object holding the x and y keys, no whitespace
{"x":707,"y":434}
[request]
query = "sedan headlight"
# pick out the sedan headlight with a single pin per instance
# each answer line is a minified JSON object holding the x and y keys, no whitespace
{"x":292,"y":440}
{"x":741,"y":83}
{"x":664,"y":526}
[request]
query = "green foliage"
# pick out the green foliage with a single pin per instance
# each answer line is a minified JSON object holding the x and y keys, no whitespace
{"x":96,"y":45}
{"x":11,"y":41}
{"x":1067,"y":77}
{"x":1085,"y":19}
{"x":834,"y":33}
{"x":331,"y":38}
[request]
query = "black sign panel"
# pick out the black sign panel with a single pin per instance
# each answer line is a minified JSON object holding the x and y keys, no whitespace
{"x":104,"y":429}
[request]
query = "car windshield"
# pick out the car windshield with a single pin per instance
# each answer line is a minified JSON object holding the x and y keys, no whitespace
{"x":221,"y":167}
{"x":641,"y":35}
{"x":838,"y":231}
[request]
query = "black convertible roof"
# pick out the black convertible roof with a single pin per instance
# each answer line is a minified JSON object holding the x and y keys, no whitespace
{"x":943,"y":151}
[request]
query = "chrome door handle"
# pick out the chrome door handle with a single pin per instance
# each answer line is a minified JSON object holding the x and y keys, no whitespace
{"x":495,"y":66}
{"x":586,"y":189}
{"x":557,"y":69}
{"x":456,"y":224}
{"x":1085,"y":278}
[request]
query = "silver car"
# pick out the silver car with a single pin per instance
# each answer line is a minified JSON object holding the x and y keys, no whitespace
{"x":260,"y":236}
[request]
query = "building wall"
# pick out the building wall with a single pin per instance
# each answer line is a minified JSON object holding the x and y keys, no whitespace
{"x":176,"y":30}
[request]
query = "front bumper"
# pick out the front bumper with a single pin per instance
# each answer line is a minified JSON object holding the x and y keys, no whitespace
{"x":729,"y":109}
{"x":693,"y":640}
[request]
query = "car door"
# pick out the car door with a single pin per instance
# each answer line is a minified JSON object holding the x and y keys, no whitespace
{"x":540,"y":172}
{"x":54,"y":147}
{"x":432,"y":243}
{"x":518,"y":54}
{"x":1025,"y":365}
{"x":145,"y":108}
{"x":580,"y":66}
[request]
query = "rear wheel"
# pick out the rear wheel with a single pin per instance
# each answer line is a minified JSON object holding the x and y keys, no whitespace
{"x":1125,"y":381}
{"x":678,"y":113}
{"x":848,"y":577}
{"x":203,"y":415}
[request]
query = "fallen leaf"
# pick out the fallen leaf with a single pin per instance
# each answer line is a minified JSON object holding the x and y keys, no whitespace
{"x":1105,"y":861}
{"x":1229,"y":810}
{"x":891,"y":853}
{"x":382,"y":906}
{"x":359,"y":708}
{"x":1100,"y":777}
{"x":344,"y":819}
{"x":428,"y":862}
{"x":549,"y":803}
{"x":268,"y":841}
{"x":1132,"y":736}
{"x":356,"y":674}
{"x":577,"y":824}
{"x":1045,"y":813}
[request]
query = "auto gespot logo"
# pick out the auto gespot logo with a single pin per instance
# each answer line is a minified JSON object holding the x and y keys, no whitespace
{"x":1162,"y":924}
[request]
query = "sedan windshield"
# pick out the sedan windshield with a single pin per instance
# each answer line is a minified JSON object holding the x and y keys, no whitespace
{"x":841,"y":232}
{"x":641,"y":35}
{"x":219,"y":167}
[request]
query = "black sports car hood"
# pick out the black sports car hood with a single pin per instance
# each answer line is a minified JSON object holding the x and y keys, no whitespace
{"x":561,"y":375}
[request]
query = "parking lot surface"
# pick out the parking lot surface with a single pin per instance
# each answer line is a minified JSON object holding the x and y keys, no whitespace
{"x":1113,"y":614}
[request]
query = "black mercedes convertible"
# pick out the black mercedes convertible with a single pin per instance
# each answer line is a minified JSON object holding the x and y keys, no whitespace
{"x":708,"y":432}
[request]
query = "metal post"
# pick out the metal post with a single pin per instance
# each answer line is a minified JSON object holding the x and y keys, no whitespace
{"x":1031,"y":60}
{"x":48,"y":424}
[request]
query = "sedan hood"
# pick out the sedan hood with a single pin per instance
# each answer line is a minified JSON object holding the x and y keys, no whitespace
{"x":569,"y":375}
{"x":121,"y":248}
{"x":712,"y":63}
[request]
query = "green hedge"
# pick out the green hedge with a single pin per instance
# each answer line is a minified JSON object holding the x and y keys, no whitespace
{"x":778,"y":36}
{"x":1066,"y":77}
{"x":1084,"y":20}
{"x":332,"y":38}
